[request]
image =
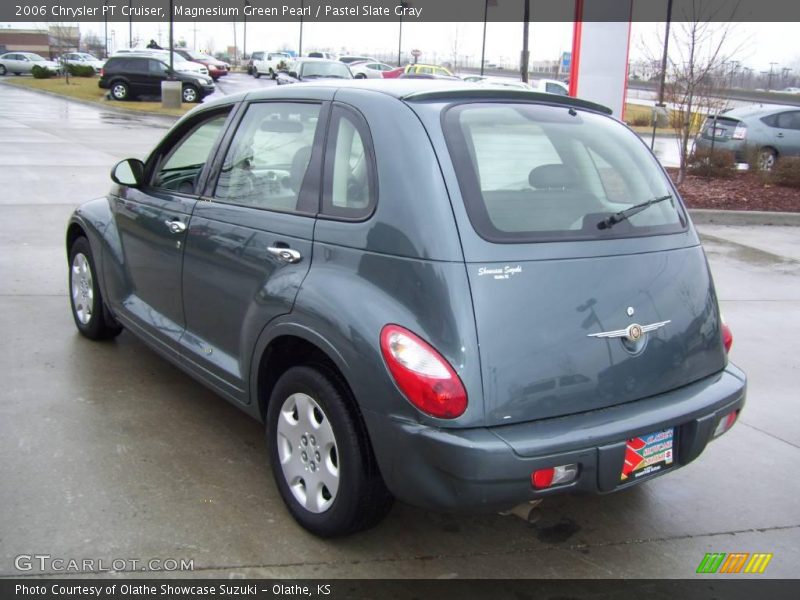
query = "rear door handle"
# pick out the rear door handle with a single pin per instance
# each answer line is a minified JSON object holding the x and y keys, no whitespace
{"x":780,"y":135}
{"x":175,"y":226}
{"x":287,"y":255}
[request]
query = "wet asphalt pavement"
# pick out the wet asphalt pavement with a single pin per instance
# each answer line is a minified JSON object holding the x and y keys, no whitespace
{"x":110,"y":452}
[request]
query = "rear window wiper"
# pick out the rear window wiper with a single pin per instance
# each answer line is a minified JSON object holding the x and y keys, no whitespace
{"x":622,"y":215}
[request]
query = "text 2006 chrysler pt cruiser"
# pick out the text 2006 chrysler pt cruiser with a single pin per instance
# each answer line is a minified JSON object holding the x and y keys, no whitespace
{"x":464,"y":298}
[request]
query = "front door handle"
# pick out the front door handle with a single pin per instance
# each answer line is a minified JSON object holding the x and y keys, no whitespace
{"x":175,"y":226}
{"x":287,"y":255}
{"x":780,"y":135}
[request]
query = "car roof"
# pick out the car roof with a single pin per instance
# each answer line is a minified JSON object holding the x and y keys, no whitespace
{"x":757,"y":110}
{"x":419,"y":90}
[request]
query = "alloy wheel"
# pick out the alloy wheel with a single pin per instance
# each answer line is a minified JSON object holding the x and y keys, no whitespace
{"x":82,"y":285}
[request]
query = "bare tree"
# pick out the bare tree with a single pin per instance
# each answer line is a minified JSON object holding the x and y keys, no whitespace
{"x":701,"y":43}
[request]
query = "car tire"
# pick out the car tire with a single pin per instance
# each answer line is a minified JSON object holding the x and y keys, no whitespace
{"x":317,"y":439}
{"x":17,"y":73}
{"x":88,"y":309}
{"x":257,"y":74}
{"x":767,"y":157}
{"x":360,"y":76}
{"x":190,"y":94}
{"x":3,"y":70}
{"x":120,"y":91}
{"x":272,"y":74}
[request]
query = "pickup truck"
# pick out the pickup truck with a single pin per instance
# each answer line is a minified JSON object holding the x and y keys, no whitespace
{"x":268,"y":65}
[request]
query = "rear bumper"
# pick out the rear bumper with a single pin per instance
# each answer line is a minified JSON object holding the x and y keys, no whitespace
{"x":489,"y":469}
{"x":738,"y":147}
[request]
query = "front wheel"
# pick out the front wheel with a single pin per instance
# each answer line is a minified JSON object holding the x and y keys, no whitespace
{"x":88,"y":310}
{"x":3,"y":70}
{"x":190,"y":94}
{"x":257,"y":74}
{"x":272,"y":74}
{"x":360,"y":76}
{"x":320,"y":454}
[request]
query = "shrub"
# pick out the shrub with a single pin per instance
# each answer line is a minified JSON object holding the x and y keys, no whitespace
{"x":641,"y":120}
{"x":787,"y":171}
{"x":42,"y":72}
{"x":705,"y":163}
{"x":80,"y":70}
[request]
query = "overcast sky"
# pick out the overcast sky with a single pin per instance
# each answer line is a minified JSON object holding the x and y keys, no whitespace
{"x":761,"y":43}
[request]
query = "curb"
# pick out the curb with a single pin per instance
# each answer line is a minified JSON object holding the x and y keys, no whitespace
{"x":106,"y":105}
{"x":704,"y":216}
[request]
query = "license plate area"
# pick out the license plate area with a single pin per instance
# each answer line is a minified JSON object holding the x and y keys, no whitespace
{"x":647,"y":455}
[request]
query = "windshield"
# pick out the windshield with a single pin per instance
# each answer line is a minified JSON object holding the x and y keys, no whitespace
{"x":529,"y":172}
{"x":199,"y":56}
{"x":336,"y":70}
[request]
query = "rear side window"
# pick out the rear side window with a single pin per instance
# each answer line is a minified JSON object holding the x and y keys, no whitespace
{"x":268,"y":158}
{"x":532,"y":173}
{"x":350,"y":187}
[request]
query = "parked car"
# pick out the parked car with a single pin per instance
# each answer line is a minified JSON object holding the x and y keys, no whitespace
{"x":791,"y":90}
{"x":216,"y":68}
{"x":399,"y":336}
{"x":357,"y":59}
{"x":179,"y":63}
{"x":498,"y":81}
{"x":311,"y":69}
{"x":369,"y":70}
{"x":550,"y":86}
{"x":258,"y":55}
{"x":417,"y":69}
{"x":23,"y":62}
{"x":130,"y":75}
{"x":769,"y":131}
{"x":83,"y":59}
{"x":325,"y":55}
{"x":270,"y":63}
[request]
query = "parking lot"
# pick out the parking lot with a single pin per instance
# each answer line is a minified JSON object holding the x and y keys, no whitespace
{"x":111,"y":452}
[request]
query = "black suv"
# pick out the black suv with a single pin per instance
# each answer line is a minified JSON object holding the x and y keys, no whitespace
{"x":130,"y":76}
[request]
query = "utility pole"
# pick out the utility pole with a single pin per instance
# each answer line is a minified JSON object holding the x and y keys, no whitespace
{"x":130,"y":25}
{"x":483,"y":45}
{"x":771,"y":73}
{"x":235,"y":47}
{"x":663,"y":78}
{"x":244,"y":42}
{"x":300,"y":45}
{"x":525,"y":54}
{"x":403,"y":4}
{"x":105,"y":29}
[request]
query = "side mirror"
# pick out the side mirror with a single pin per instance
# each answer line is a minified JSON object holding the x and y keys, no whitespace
{"x":128,"y":172}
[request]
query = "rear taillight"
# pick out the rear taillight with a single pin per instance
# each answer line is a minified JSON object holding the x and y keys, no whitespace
{"x":740,"y":132}
{"x":545,"y":478}
{"x":727,"y":336}
{"x":422,"y":374}
{"x":726,"y":422}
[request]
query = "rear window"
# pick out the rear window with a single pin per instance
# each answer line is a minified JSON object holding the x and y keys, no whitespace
{"x":532,"y":173}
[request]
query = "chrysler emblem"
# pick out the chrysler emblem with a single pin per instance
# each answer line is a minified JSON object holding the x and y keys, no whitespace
{"x":632,"y":333}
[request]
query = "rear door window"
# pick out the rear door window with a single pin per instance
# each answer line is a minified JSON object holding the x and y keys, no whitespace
{"x":268,"y":158}
{"x":531,"y":172}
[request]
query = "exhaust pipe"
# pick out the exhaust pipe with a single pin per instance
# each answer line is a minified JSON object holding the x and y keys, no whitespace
{"x":527,"y":511}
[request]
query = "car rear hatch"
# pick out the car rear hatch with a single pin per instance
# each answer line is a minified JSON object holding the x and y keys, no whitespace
{"x":572,"y":317}
{"x":723,"y":129}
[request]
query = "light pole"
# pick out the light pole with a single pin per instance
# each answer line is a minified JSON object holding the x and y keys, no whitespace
{"x":300,"y":44}
{"x":130,"y":25}
{"x":663,"y":78}
{"x":244,"y":41}
{"x":483,"y":45}
{"x":105,"y":29}
{"x":523,"y":66}
{"x":403,"y":4}
{"x":171,"y":44}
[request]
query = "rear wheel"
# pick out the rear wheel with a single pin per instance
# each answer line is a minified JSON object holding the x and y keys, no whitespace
{"x":3,"y":70}
{"x":190,"y":94}
{"x":360,"y":76}
{"x":17,"y":73}
{"x":767,"y":158}
{"x":272,"y":74}
{"x":90,"y":314}
{"x":120,"y":90}
{"x":321,"y":457}
{"x":257,"y":74}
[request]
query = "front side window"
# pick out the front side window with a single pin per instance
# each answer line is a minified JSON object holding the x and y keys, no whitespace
{"x":156,"y":67}
{"x":180,"y":167}
{"x":530,"y":172}
{"x":554,"y":88}
{"x":268,"y":158}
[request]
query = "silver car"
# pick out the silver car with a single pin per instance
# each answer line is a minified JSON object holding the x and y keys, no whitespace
{"x":773,"y":131}
{"x":23,"y":62}
{"x":369,"y":70}
{"x":84,"y":59}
